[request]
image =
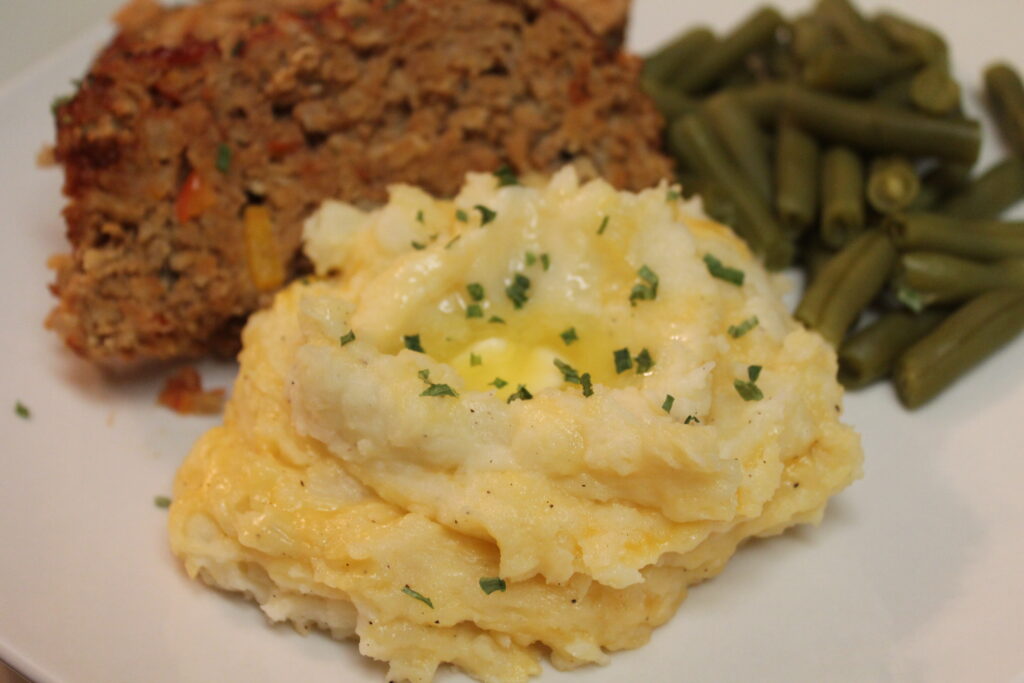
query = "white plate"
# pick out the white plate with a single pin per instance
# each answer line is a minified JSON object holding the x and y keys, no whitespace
{"x":916,"y":573}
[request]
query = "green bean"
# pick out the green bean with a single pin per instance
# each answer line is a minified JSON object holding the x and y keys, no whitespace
{"x":994,"y":191}
{"x":937,"y":278}
{"x":718,"y":60}
{"x":846,"y":285}
{"x":815,"y":256}
{"x":948,"y":176}
{"x":855,"y":30}
{"x":911,"y":36}
{"x":934,"y":91}
{"x":892,"y":184}
{"x":1006,"y":95}
{"x":694,"y":140}
{"x":669,"y":102}
{"x":842,"y":196}
{"x":872,"y":126}
{"x":927,"y":197}
{"x":978,"y":239}
{"x":847,"y":70}
{"x":895,"y":93}
{"x":744,"y":139}
{"x":870,"y":354}
{"x":809,"y":37}
{"x":796,"y":177}
{"x":971,"y":334}
{"x":669,"y":60}
{"x":764,"y":101}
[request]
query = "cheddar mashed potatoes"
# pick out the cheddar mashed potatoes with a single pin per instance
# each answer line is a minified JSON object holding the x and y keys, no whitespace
{"x":522,"y":421}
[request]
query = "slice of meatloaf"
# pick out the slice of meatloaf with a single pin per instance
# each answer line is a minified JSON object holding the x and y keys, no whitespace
{"x":204,"y":135}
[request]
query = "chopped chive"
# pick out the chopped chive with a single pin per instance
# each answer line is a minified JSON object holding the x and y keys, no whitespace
{"x":723,"y":272}
{"x":753,"y":372}
{"x":648,"y":289}
{"x":22,"y":411}
{"x":162,"y":502}
{"x":424,"y":375}
{"x":223,"y":158}
{"x":531,"y":258}
{"x":737,"y":331}
{"x":418,"y":246}
{"x":348,"y":338}
{"x":569,"y":336}
{"x":545,"y":261}
{"x":521,"y":394}
{"x":492,"y":583}
{"x":623,"y":361}
{"x":474,"y":311}
{"x":475,"y":360}
{"x":588,"y":387}
{"x":418,"y":596}
{"x":461,"y":216}
{"x":667,"y":405}
{"x":496,"y":319}
{"x":691,"y":419}
{"x":517,"y":290}
{"x":499,"y":383}
{"x":569,"y":373}
{"x":506,"y":176}
{"x":644,"y":362}
{"x":419,"y":216}
{"x":439,"y":390}
{"x":412,"y":342}
{"x":476,"y":291}
{"x":604,"y":225}
{"x":748,"y":390}
{"x":486,"y":215}
{"x":452,"y":241}
{"x":673,"y":195}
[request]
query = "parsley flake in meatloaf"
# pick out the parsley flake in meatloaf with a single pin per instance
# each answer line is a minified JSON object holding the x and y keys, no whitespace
{"x":204,"y":135}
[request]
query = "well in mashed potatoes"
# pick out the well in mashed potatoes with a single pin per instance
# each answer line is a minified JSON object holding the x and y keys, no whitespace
{"x":554,"y":393}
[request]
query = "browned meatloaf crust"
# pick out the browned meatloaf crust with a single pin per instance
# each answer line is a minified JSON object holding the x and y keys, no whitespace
{"x":194,"y":114}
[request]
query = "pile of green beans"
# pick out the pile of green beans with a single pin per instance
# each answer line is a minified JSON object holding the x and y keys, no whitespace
{"x":837,"y":142}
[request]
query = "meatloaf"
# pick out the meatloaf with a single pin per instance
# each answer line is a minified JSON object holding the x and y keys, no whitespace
{"x":203,"y":136}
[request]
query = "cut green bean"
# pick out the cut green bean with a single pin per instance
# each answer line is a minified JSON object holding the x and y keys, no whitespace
{"x":1006,"y":95}
{"x":809,"y":37}
{"x":815,"y":256}
{"x":937,"y":278}
{"x":870,"y":354}
{"x":676,"y":56}
{"x":855,"y":30}
{"x":846,"y":285}
{"x":846,"y":70}
{"x":892,"y":185}
{"x":718,"y":60}
{"x":933,"y":90}
{"x":967,"y":337}
{"x":670,"y":103}
{"x":796,"y":177}
{"x":697,"y":144}
{"x":992,"y":193}
{"x":842,"y":196}
{"x":895,"y":93}
{"x":978,"y":239}
{"x":744,"y":139}
{"x":912,"y":37}
{"x":948,"y":176}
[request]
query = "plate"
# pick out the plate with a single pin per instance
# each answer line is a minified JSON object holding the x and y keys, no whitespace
{"x":915,"y":574}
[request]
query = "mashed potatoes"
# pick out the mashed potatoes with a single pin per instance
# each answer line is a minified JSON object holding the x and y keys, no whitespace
{"x":526,"y":417}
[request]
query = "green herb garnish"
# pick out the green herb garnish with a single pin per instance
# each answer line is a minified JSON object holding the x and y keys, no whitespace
{"x":604,"y":225}
{"x":419,"y":216}
{"x":348,"y":338}
{"x":545,"y":261}
{"x":506,"y":176}
{"x":521,"y":394}
{"x":588,"y":386}
{"x":474,"y":311}
{"x":723,"y":272}
{"x":499,"y":383}
{"x":644,"y":362}
{"x":691,"y":419}
{"x":22,"y":411}
{"x":418,"y":246}
{"x":496,"y":319}
{"x":452,"y":241}
{"x":646,"y":290}
{"x":569,"y":373}
{"x":749,"y":391}
{"x":753,"y":372}
{"x":667,"y":405}
{"x":486,"y":215}
{"x":737,"y":331}
{"x":569,"y":336}
{"x":435,"y":389}
{"x":412,"y":342}
{"x":517,"y":290}
{"x":162,"y":502}
{"x":461,"y":216}
{"x":418,"y":596}
{"x":492,"y":583}
{"x":476,"y":291}
{"x":673,"y":195}
{"x":223,"y":158}
{"x":911,"y":298}
{"x":531,"y":258}
{"x":623,"y":361}
{"x":475,"y":360}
